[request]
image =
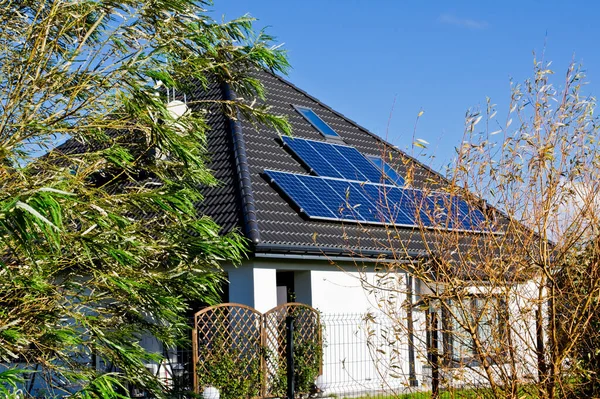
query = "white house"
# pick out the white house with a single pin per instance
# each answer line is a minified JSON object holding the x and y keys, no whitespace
{"x":311,"y":207}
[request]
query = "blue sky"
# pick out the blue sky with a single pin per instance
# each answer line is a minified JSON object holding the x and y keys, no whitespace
{"x":364,"y":58}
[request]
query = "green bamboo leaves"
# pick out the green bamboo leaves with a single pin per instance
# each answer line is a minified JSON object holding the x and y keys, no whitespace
{"x":100,"y":241}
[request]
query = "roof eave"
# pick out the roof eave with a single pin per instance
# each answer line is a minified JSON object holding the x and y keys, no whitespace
{"x":347,"y":253}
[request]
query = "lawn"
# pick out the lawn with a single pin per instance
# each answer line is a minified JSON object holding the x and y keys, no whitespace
{"x":482,"y":393}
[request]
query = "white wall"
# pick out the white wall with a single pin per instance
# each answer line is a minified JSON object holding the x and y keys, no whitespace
{"x":338,"y":292}
{"x":253,"y":286}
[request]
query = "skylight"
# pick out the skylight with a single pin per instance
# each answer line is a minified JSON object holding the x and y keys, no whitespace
{"x":317,"y":122}
{"x":389,"y":172}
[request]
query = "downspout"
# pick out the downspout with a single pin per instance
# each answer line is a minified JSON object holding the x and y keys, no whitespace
{"x":243,"y":172}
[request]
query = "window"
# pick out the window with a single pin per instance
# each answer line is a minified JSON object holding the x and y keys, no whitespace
{"x":388,"y":171}
{"x":317,"y":122}
{"x":489,"y":316}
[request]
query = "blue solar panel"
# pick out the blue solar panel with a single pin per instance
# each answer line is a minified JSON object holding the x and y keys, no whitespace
{"x":407,"y":204}
{"x":343,"y":165}
{"x":360,"y":208}
{"x":329,"y":198}
{"x":471,"y":218}
{"x":311,"y":157}
{"x":317,"y":122}
{"x":304,"y":198}
{"x":332,"y":160}
{"x":388,"y":199}
{"x":441,"y":212}
{"x":334,"y":199}
{"x":360,"y":162}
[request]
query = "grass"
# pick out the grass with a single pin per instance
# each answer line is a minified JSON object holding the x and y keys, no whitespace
{"x":483,"y":393}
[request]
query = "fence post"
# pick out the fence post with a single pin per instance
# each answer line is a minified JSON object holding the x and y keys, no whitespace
{"x":434,"y":356}
{"x":195,"y":356}
{"x":289,"y":353}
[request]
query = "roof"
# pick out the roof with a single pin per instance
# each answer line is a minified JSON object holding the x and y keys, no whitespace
{"x":241,"y":152}
{"x":244,"y":199}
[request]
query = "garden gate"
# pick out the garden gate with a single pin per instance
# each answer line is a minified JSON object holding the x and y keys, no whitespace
{"x":242,"y":351}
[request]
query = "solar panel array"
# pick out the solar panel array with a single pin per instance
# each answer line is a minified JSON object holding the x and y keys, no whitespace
{"x":343,"y":200}
{"x":333,"y":160}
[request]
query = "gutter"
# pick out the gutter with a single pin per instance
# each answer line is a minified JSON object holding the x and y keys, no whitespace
{"x":243,"y":172}
{"x":327,"y":258}
{"x":271,"y":250}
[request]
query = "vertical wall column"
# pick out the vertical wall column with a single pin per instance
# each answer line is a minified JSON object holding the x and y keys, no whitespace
{"x":254,"y":287}
{"x":265,"y":289}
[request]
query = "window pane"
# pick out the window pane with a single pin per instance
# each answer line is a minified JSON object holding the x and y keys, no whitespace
{"x":462,"y":344}
{"x":317,"y":122}
{"x":492,"y":324}
{"x":388,"y":170}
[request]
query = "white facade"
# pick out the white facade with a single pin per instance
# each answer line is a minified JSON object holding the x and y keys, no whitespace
{"x":367,"y":354}
{"x":353,"y":361}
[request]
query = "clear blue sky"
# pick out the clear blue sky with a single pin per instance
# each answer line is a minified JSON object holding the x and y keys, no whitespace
{"x":440,"y":56}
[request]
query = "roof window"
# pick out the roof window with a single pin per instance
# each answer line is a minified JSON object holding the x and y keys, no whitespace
{"x":317,"y":122}
{"x":388,"y":171}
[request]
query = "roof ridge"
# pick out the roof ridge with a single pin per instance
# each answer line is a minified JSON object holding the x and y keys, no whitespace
{"x":243,"y":172}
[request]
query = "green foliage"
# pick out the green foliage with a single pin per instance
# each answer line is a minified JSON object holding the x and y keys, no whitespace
{"x":308,"y":354}
{"x":308,"y":357}
{"x":100,"y":242}
{"x":10,"y":379}
{"x":455,"y":393}
{"x":234,"y":373}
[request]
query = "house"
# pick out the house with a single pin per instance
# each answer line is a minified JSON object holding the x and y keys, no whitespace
{"x":318,"y":218}
{"x":324,"y":212}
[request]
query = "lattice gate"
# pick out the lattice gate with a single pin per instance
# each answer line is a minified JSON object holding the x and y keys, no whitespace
{"x":244,"y":351}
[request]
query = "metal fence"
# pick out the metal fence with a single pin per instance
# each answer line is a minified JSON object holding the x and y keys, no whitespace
{"x":369,"y":357}
{"x":363,"y":356}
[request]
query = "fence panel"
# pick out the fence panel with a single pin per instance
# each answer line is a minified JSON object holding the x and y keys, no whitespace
{"x":366,"y":356}
{"x":348,"y":355}
{"x":307,"y":348}
{"x":227,"y":342}
{"x":244,"y":352}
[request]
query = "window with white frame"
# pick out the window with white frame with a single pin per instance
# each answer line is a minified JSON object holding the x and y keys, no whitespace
{"x":475,"y":326}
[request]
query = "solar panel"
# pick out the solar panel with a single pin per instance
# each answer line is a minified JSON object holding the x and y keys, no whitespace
{"x":333,"y":160}
{"x":453,"y":212}
{"x":360,"y":162}
{"x":311,"y":157}
{"x":301,"y":195}
{"x":357,"y":204}
{"x":337,"y":199}
{"x":403,"y":206}
{"x":471,"y":217}
{"x":334,"y":199}
{"x":344,"y":166}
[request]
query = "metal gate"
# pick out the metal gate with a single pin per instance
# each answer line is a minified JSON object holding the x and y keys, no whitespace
{"x":244,"y":351}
